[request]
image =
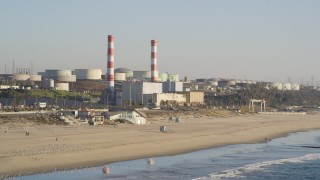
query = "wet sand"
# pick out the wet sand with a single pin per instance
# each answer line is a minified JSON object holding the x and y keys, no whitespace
{"x":50,"y":148}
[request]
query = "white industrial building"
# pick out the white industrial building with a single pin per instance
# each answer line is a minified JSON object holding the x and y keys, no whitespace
{"x":172,"y":86}
{"x":88,"y":74}
{"x":285,"y":86}
{"x":137,"y":92}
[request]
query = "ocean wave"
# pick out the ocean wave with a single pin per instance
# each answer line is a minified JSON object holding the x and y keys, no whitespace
{"x":238,"y":172}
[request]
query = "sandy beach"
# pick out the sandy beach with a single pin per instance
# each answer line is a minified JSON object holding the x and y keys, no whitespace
{"x":50,"y":148}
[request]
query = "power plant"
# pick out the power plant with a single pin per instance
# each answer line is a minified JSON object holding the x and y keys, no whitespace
{"x":126,"y":87}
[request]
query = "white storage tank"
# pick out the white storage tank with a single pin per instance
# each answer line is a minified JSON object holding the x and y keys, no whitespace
{"x":140,"y":75}
{"x":120,"y":77}
{"x":277,"y":85}
{"x":88,"y":74}
{"x":286,"y":86}
{"x":21,"y":77}
{"x":58,"y":72}
{"x":63,"y":75}
{"x":62,"y":86}
{"x":129,"y":73}
{"x":36,"y":78}
{"x":295,"y":86}
{"x":173,"y":77}
{"x":163,"y":77}
{"x":71,"y":78}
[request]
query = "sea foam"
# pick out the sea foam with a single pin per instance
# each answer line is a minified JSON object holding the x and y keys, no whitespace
{"x":238,"y":172}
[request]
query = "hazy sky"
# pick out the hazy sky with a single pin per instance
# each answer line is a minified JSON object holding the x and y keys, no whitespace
{"x":268,"y":40}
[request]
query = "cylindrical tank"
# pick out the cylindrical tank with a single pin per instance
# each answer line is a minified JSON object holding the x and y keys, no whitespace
{"x":63,"y":75}
{"x":21,"y":77}
{"x":120,"y":76}
{"x":36,"y":78}
{"x":129,"y":73}
{"x":173,"y":77}
{"x":286,"y":86}
{"x":277,"y":85}
{"x":141,"y":75}
{"x":88,"y":74}
{"x":71,"y":78}
{"x":295,"y":86}
{"x":163,"y":77}
{"x":62,"y":86}
{"x":58,"y":72}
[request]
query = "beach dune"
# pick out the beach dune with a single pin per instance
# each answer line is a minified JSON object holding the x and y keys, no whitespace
{"x":50,"y":148}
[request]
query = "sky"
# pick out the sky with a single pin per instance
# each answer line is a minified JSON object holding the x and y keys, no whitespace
{"x":265,"y":40}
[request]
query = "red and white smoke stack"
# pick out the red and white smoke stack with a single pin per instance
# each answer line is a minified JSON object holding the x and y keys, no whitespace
{"x":154,"y":55}
{"x":110,"y":65}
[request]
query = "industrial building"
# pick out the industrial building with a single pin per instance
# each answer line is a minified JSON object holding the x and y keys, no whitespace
{"x":61,"y":79}
{"x":166,"y":98}
{"x":172,"y":86}
{"x":194,"y":97}
{"x":139,"y":92}
{"x":285,"y":86}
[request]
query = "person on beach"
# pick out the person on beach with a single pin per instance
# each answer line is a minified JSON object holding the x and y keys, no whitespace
{"x":106,"y":170}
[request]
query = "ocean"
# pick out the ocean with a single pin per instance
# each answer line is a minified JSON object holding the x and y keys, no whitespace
{"x":296,"y":156}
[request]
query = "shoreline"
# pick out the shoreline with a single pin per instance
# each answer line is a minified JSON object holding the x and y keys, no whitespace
{"x":191,"y":135}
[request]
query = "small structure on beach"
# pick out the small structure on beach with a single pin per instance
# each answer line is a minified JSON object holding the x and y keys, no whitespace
{"x":262,"y":104}
{"x":96,"y":120}
{"x":133,"y":117}
{"x":163,"y":129}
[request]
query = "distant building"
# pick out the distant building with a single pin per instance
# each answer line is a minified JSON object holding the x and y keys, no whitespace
{"x":171,"y":86}
{"x":168,"y":98}
{"x":194,"y":97}
{"x":134,"y":117}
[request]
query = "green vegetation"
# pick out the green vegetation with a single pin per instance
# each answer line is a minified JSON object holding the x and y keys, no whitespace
{"x":39,"y":93}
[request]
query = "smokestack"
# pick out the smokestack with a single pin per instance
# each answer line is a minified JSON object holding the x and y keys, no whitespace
{"x":154,"y":55}
{"x":110,"y":65}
